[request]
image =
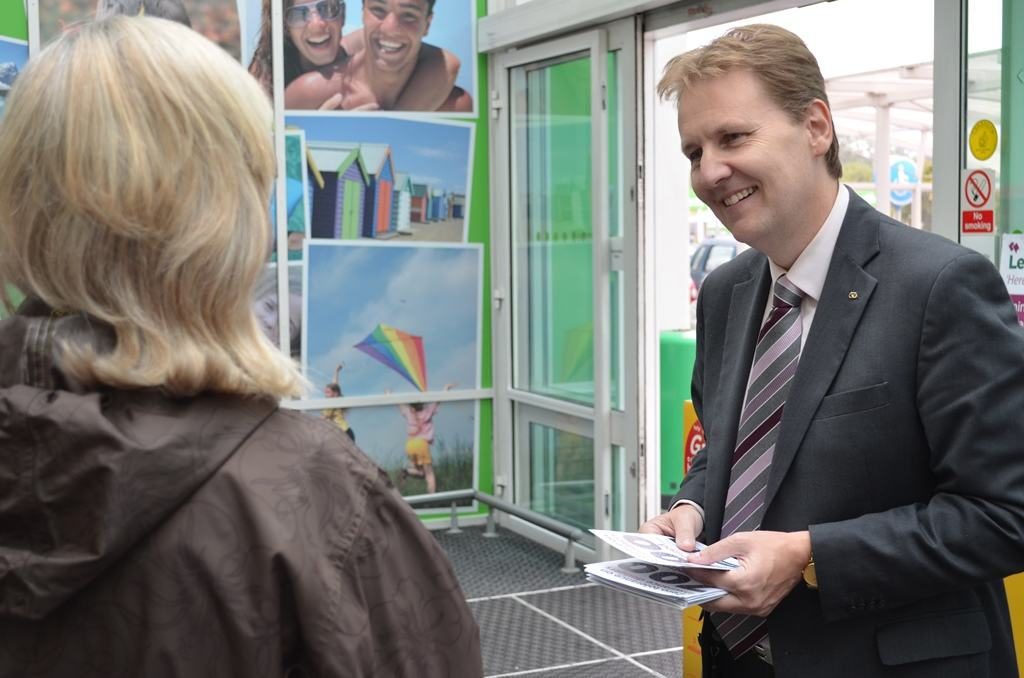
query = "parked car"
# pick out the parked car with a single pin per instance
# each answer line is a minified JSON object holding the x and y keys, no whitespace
{"x":709,"y":255}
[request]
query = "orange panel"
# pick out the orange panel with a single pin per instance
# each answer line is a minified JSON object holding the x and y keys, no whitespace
{"x":384,"y":207}
{"x":691,"y":647}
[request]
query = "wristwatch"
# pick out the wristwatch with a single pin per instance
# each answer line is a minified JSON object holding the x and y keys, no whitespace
{"x":810,"y":574}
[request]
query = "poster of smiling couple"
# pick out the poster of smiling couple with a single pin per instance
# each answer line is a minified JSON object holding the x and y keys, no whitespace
{"x":371,"y":55}
{"x":368,"y":55}
{"x":386,"y":319}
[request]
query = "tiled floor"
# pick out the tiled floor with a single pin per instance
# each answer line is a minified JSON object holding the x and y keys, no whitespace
{"x":537,"y":622}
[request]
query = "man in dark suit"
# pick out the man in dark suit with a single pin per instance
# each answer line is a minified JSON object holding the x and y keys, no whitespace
{"x":861,"y":388}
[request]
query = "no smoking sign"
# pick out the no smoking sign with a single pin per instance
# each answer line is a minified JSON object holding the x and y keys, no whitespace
{"x":977,"y":214}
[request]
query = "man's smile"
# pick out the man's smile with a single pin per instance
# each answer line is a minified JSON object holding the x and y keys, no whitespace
{"x":739,"y":195}
{"x":389,"y":46}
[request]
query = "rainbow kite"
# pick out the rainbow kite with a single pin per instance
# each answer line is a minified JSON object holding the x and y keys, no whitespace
{"x":401,"y":351}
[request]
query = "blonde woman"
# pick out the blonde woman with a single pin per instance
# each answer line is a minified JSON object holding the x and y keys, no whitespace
{"x":159,"y":515}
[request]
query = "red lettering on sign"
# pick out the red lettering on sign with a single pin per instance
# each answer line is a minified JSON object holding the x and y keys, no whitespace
{"x":694,"y":443}
{"x":978,"y":221}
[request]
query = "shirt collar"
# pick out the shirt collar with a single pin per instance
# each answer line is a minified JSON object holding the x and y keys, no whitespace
{"x":809,"y":270}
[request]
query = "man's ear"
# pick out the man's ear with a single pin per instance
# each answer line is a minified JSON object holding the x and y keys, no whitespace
{"x":818,"y":122}
{"x":430,"y":17}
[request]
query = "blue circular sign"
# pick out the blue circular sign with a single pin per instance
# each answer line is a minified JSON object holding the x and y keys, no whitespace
{"x":902,"y":171}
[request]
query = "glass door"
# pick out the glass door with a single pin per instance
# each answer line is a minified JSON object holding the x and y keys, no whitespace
{"x":565,"y":271}
{"x":991,"y":126}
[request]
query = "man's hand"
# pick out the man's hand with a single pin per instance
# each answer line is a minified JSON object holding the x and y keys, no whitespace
{"x":772,"y":564}
{"x":683,"y":522}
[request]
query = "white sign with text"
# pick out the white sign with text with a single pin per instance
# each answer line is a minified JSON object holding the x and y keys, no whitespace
{"x":1011,"y":266}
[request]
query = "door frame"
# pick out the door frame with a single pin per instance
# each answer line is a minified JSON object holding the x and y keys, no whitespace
{"x":605,"y":426}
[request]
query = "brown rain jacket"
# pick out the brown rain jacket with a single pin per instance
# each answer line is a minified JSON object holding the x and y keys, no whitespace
{"x":144,"y":536}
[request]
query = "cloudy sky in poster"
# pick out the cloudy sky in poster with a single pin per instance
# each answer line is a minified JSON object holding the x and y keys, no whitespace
{"x":432,"y":152}
{"x":429,"y":291}
{"x":13,"y":51}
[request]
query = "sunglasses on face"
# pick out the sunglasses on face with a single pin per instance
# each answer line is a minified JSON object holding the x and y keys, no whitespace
{"x":300,"y":15}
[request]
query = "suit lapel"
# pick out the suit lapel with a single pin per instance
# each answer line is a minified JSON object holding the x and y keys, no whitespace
{"x":847,"y":291}
{"x":746,"y":310}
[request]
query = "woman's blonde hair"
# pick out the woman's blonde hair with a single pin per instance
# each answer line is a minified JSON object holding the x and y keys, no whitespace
{"x":135,"y":186}
{"x":778,"y":58}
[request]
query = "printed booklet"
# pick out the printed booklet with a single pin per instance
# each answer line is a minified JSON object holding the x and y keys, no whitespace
{"x":657,"y":570}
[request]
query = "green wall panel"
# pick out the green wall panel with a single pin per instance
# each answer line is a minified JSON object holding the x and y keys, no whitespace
{"x":13,"y":23}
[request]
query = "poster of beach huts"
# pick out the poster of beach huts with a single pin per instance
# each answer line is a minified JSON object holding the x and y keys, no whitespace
{"x":386,"y":179}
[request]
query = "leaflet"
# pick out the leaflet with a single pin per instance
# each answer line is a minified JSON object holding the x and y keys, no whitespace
{"x":659,"y":549}
{"x":661,"y":583}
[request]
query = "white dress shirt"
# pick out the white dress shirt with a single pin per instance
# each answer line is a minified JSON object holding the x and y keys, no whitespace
{"x":809,"y":270}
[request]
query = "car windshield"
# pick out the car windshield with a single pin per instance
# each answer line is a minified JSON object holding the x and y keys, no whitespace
{"x":718,"y":255}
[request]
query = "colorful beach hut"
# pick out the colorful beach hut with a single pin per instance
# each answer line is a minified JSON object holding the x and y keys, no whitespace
{"x":438,"y":209}
{"x":401,"y":204}
{"x":457,"y":206}
{"x":338,"y":184}
{"x":377,"y":205}
{"x":419,"y":203}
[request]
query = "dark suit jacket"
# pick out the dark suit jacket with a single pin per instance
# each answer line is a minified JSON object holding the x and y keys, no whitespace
{"x":901,"y":449}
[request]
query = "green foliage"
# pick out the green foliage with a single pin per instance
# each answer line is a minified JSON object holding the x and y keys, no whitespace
{"x":857,"y":169}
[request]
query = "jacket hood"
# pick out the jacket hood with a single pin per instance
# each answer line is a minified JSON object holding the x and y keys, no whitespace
{"x":85,"y":474}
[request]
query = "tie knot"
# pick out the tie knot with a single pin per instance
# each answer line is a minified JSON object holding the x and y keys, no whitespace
{"x":786,"y":294}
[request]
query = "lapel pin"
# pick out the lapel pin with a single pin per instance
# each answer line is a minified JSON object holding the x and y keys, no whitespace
{"x":853,"y":295}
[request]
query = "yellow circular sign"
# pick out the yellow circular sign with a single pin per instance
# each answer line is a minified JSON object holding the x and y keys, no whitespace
{"x":984,"y":139}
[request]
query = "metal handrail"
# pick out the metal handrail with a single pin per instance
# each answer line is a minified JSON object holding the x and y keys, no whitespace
{"x":572,"y":534}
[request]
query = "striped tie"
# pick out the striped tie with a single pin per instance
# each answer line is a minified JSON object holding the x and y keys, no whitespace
{"x":775,"y":361}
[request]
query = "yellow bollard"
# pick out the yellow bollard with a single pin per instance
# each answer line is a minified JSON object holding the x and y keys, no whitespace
{"x":692,"y":667}
{"x":1015,"y":597}
{"x":693,"y":440}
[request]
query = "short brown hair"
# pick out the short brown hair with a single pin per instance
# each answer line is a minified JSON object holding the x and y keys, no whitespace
{"x":430,"y":6}
{"x":778,"y":58}
{"x":138,"y":162}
